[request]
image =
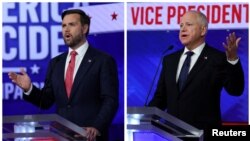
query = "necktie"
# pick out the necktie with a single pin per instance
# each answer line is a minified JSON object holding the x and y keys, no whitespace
{"x":70,"y":72}
{"x":184,"y":70}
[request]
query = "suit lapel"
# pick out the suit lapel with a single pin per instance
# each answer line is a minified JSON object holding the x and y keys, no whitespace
{"x":86,"y":63}
{"x":202,"y":60}
{"x":173,"y":70}
{"x":60,"y":72}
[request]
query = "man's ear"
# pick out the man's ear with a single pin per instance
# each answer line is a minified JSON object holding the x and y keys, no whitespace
{"x":85,"y":28}
{"x":203,"y":30}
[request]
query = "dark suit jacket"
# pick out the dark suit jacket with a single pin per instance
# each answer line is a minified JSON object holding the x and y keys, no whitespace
{"x":199,"y":102}
{"x":94,"y":96}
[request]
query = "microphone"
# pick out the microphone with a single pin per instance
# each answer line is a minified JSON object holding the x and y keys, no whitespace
{"x":158,"y":67}
{"x":47,"y":82}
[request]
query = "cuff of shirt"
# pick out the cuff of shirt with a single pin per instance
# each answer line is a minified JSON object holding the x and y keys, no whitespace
{"x":29,"y":91}
{"x":233,"y":62}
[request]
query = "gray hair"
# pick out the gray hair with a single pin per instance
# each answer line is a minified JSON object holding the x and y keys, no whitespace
{"x":202,"y":18}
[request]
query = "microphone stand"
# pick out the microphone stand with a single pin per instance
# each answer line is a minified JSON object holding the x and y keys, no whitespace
{"x":158,"y":67}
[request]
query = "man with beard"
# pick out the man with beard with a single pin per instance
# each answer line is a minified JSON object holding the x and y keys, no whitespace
{"x":83,"y":82}
{"x":192,"y":79}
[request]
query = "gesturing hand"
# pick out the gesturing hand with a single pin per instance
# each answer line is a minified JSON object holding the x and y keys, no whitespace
{"x":231,"y":46}
{"x":22,"y":80}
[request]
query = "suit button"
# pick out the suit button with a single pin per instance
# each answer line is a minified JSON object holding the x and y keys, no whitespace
{"x":68,"y":106}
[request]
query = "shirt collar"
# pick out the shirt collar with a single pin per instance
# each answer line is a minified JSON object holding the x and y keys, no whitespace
{"x":197,"y":50}
{"x":81,"y":50}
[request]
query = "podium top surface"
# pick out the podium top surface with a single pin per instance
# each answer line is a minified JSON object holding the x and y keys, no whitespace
{"x":42,"y":125}
{"x":160,"y":119}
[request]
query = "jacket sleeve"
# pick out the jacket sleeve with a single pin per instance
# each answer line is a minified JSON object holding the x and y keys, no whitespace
{"x":42,"y":98}
{"x":234,"y":79}
{"x":109,"y":89}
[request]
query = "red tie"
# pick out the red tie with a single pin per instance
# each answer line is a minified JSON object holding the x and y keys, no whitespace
{"x":70,"y":72}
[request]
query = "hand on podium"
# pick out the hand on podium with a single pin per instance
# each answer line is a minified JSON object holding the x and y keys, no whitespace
{"x":91,"y":133}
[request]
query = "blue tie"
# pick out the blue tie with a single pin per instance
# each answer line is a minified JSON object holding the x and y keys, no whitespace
{"x":184,"y":70}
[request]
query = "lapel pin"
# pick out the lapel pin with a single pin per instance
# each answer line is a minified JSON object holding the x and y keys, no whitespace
{"x":89,"y":60}
{"x":205,"y":57}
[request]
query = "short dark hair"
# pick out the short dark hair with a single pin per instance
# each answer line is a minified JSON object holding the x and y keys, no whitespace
{"x":84,"y":18}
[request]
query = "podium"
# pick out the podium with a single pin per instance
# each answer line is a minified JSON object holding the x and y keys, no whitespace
{"x":47,"y":127}
{"x":153,"y":124}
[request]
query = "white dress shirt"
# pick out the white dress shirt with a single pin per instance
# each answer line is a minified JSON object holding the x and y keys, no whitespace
{"x":80,"y":54}
{"x":197,"y":51}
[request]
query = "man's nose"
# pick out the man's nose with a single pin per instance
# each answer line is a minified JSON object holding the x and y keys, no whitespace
{"x":66,"y":29}
{"x":183,"y":28}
